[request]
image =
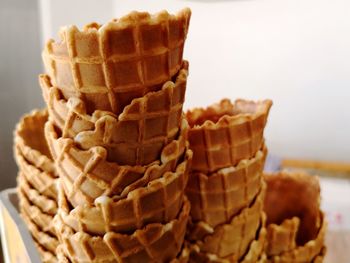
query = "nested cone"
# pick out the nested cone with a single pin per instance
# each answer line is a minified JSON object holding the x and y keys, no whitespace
{"x":47,"y":241}
{"x":154,"y":242}
{"x":157,"y":202}
{"x":216,"y":197}
{"x":109,"y":65}
{"x":294,"y":195}
{"x":231,"y":238}
{"x":255,"y":251}
{"x":86,"y":174}
{"x":38,"y":217}
{"x":46,"y":204}
{"x":32,"y":154}
{"x":136,"y":136}
{"x":30,"y":140}
{"x":226,"y":133}
{"x":43,"y":182}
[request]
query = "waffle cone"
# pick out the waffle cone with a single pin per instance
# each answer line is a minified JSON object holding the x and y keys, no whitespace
{"x":46,"y":256}
{"x":282,"y":237}
{"x":86,"y":174}
{"x":47,"y":205}
{"x":108,"y":66}
{"x":226,"y":133}
{"x":135,"y":137}
{"x":30,"y":140}
{"x":47,"y":241}
{"x":153,"y":243}
{"x":232,"y":238}
{"x":305,"y":253}
{"x":254,"y":253}
{"x":42,"y":220}
{"x":158,"y":201}
{"x":42,"y":181}
{"x":216,"y":197}
{"x":294,"y":196}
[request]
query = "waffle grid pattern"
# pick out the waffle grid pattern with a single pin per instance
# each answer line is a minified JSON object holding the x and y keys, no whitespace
{"x":120,"y":63}
{"x":154,"y":243}
{"x":90,"y":170}
{"x":216,"y":197}
{"x":235,"y":134}
{"x":159,"y":201}
{"x":137,"y":135}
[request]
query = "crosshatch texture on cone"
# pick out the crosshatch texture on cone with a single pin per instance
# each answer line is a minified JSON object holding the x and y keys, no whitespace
{"x":29,"y":138}
{"x":225,"y":133}
{"x":159,"y":201}
{"x":295,"y":196}
{"x":282,"y":237}
{"x":136,"y":136}
{"x":86,"y":174}
{"x":46,"y":204}
{"x":232,"y":237}
{"x":153,"y":243}
{"x":216,"y":197}
{"x":42,"y":220}
{"x":107,"y":66}
{"x":42,"y":181}
{"x":254,"y":253}
{"x":44,"y":239}
{"x":306,"y":252}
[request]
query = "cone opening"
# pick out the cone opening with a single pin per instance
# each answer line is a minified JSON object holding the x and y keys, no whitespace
{"x":31,"y":131}
{"x":294,"y":195}
{"x":218,"y":112}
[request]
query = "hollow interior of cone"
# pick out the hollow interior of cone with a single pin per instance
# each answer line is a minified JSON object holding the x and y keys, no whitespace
{"x":34,"y":137}
{"x":286,"y":199}
{"x":215,"y":112}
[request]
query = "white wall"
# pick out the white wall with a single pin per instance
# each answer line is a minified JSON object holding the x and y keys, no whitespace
{"x":296,"y":52}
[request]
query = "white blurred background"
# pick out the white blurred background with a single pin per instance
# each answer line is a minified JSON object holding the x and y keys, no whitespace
{"x":296,"y":52}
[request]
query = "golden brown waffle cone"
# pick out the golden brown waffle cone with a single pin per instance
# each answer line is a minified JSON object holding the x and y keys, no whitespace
{"x":254,"y":253}
{"x":292,"y":195}
{"x":232,"y":238}
{"x":42,"y":181}
{"x":306,"y":252}
{"x":29,"y":138}
{"x":216,"y":197}
{"x":107,"y":66}
{"x":86,"y":174}
{"x":42,"y":220}
{"x":47,"y":241}
{"x":153,"y":243}
{"x":46,"y":256}
{"x":159,"y":201}
{"x":282,"y":237}
{"x":226,"y":133}
{"x":47,"y":205}
{"x":135,"y":137}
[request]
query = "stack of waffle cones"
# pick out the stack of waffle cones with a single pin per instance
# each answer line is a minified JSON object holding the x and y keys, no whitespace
{"x":226,"y":187}
{"x":36,"y":182}
{"x":118,"y":136}
{"x":105,"y":172}
{"x":295,"y":224}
